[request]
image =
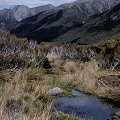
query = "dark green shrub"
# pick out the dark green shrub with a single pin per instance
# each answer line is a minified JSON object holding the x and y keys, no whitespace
{"x":46,"y":64}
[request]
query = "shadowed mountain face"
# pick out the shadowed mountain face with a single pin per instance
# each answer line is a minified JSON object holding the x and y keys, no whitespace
{"x":54,"y":24}
{"x":96,"y":28}
{"x":9,"y":17}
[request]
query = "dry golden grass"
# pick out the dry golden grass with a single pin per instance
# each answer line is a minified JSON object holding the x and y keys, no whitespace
{"x":86,"y":76}
{"x":55,"y":61}
{"x":83,"y":75}
{"x":70,"y":66}
{"x":52,"y":57}
{"x":28,"y":87}
{"x":107,"y":90}
{"x":25,"y":96}
{"x":44,"y":116}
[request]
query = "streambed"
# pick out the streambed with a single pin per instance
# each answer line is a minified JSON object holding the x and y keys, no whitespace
{"x":84,"y":106}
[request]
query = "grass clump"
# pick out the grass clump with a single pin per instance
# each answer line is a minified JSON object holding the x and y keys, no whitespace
{"x":62,"y":116}
{"x":23,"y":96}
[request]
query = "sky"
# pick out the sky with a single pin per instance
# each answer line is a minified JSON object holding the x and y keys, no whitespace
{"x":31,"y":3}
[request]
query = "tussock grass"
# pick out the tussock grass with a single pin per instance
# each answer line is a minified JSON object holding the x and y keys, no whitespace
{"x":25,"y":96}
{"x":55,"y":61}
{"x":62,"y":116}
{"x":70,"y":66}
{"x":107,"y":90}
{"x":24,"y":92}
{"x":85,"y":77}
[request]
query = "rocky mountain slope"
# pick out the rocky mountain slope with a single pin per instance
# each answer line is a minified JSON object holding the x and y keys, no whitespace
{"x":9,"y":17}
{"x":53,"y":25}
{"x":96,"y":28}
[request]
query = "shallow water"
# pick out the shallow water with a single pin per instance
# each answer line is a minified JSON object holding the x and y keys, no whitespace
{"x":84,"y":106}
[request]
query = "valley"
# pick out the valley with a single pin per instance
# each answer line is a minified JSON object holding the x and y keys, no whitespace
{"x":67,"y":24}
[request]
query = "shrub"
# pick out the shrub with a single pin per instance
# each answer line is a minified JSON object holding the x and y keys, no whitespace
{"x":46,"y":64}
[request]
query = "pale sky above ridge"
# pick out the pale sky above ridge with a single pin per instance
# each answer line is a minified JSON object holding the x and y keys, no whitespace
{"x":31,"y":3}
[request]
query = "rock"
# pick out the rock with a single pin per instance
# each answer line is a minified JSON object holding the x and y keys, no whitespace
{"x":110,"y":80}
{"x":55,"y":91}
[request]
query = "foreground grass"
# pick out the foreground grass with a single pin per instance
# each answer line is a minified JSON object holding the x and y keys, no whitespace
{"x":24,"y":92}
{"x":24,"y":95}
{"x":83,"y":76}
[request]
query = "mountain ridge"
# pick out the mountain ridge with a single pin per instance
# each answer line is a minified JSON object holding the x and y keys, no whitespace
{"x":96,"y":28}
{"x":10,"y":17}
{"x":51,"y":24}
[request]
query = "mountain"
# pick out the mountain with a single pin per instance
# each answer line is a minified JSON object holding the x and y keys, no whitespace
{"x":96,"y":28}
{"x":9,"y":17}
{"x":52,"y":24}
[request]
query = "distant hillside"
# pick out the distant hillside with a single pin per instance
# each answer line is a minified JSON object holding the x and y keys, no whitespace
{"x":60,"y":23}
{"x":9,"y":17}
{"x":96,"y":28}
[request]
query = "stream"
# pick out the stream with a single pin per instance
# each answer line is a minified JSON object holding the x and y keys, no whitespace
{"x":84,"y":106}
